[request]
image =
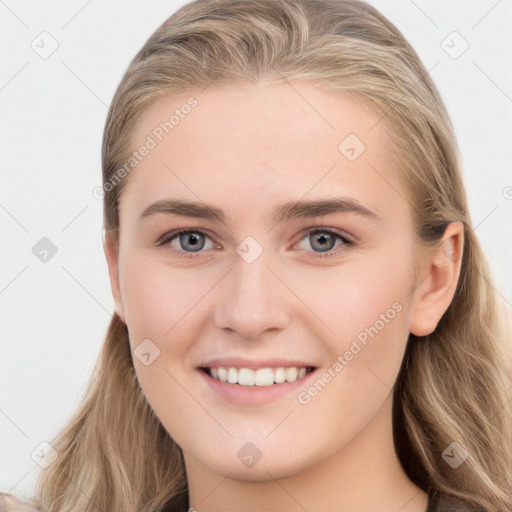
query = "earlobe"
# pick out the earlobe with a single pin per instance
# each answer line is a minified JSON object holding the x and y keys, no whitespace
{"x":111,"y":250}
{"x":437,"y":282}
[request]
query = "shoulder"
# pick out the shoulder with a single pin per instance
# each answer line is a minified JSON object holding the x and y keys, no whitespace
{"x":9,"y":503}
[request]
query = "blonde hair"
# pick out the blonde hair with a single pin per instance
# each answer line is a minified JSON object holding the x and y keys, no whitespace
{"x":454,"y":384}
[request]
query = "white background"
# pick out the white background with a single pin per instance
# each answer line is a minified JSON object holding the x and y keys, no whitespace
{"x":54,"y":315}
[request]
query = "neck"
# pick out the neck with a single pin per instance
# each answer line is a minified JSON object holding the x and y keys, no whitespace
{"x":363,"y":475}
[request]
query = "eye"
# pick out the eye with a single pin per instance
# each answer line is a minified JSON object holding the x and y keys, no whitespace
{"x":192,"y":240}
{"x":186,"y":242}
{"x":325,"y":240}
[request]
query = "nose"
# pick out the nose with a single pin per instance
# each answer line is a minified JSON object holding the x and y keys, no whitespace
{"x":252,"y":299}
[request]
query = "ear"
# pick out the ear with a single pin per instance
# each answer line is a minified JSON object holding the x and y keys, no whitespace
{"x":437,"y":281}
{"x":111,"y":249}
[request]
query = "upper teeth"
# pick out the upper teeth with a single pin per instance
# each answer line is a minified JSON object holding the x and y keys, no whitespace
{"x":259,"y":377}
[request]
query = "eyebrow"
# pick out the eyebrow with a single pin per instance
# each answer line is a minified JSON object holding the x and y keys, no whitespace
{"x":284,"y":212}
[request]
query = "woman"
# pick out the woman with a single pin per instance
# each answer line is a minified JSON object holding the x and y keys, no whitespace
{"x":256,"y":368}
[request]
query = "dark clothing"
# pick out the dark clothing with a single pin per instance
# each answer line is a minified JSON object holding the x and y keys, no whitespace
{"x":433,"y":503}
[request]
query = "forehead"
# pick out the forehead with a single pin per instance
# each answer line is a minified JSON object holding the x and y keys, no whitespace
{"x":253,"y":145}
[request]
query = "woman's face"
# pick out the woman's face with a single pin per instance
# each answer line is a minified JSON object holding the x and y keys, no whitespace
{"x":269,"y":282}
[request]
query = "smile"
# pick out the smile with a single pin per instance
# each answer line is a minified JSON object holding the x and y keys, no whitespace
{"x":258,"y":376}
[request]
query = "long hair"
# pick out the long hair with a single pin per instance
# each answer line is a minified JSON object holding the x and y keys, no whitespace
{"x":454,"y":385}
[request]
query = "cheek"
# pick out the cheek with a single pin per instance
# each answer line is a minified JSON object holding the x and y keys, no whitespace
{"x":159,"y":307}
{"x":369,"y":316}
{"x":365,"y":305}
{"x":156,"y":298}
{"x":165,"y":306}
{"x":352,"y":296}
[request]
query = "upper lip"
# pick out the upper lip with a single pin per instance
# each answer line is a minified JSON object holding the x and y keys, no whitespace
{"x":239,"y":362}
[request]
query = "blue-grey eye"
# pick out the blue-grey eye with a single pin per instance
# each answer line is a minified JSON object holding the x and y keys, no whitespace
{"x":322,"y":240}
{"x":192,"y":240}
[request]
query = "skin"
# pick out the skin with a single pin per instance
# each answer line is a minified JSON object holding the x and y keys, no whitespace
{"x":246,"y":149}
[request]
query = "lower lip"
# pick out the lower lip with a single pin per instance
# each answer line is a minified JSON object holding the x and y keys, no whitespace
{"x":252,"y":395}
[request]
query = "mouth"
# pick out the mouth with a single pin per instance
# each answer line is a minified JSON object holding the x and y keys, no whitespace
{"x":257,"y":377}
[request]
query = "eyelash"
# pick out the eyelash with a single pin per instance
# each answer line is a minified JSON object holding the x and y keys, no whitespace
{"x":168,"y":237}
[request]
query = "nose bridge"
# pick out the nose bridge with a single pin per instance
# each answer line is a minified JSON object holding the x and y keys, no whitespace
{"x":252,"y":299}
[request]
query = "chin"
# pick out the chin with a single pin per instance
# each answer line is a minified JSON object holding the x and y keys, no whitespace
{"x":244,"y":461}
